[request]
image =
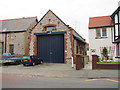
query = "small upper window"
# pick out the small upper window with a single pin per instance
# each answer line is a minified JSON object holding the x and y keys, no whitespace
{"x":101,"y":32}
{"x":49,"y":28}
{"x":11,"y":35}
{"x":98,"y":32}
{"x":104,"y":33}
{"x":119,"y":16}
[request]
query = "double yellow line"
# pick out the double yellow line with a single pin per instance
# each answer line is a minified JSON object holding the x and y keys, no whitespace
{"x":103,"y":79}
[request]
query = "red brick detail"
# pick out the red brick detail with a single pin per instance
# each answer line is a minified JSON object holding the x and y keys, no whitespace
{"x":72,"y":47}
{"x":35,"y":45}
{"x":65,"y":45}
{"x":78,"y":62}
{"x":94,"y":61}
{"x":29,"y":44}
{"x":49,"y":25}
{"x":95,"y":65}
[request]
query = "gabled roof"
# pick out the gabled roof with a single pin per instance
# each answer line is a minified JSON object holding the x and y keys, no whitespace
{"x":102,"y":21}
{"x":55,"y":15}
{"x":18,"y":24}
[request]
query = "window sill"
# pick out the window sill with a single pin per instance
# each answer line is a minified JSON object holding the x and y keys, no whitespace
{"x":100,"y":37}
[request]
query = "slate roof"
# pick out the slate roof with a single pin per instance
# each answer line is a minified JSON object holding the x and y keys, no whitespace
{"x":19,"y":24}
{"x":99,"y":21}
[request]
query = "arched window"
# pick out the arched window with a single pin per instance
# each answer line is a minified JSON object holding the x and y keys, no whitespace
{"x":49,"y":28}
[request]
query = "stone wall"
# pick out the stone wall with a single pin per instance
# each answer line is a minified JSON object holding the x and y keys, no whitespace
{"x":0,"y":49}
{"x":50,"y":19}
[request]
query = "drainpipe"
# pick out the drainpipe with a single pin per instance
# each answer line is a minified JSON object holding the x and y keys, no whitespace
{"x":72,"y":63}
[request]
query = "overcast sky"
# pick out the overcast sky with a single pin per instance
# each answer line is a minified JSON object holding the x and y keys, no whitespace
{"x":75,"y":13}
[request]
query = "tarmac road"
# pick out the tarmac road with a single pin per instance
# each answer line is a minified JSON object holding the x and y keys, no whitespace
{"x":57,"y":76}
{"x":30,"y":81}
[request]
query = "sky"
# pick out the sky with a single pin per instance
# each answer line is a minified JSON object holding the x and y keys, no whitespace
{"x":75,"y":13}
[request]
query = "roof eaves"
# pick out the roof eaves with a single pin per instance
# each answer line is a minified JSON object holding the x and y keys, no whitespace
{"x":19,"y":18}
{"x":80,"y":37}
{"x":13,"y":31}
{"x":100,"y":27}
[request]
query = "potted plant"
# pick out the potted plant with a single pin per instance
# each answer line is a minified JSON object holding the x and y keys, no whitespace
{"x":105,"y":53}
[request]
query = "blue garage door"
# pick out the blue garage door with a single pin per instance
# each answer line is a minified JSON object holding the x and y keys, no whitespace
{"x":51,"y":48}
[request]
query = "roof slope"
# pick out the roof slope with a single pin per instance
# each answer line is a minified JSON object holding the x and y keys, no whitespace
{"x":115,"y":12}
{"x":19,"y":24}
{"x":54,"y":15}
{"x":99,"y":21}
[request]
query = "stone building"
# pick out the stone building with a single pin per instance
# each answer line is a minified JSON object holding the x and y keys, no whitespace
{"x":14,"y":35}
{"x":54,"y":41}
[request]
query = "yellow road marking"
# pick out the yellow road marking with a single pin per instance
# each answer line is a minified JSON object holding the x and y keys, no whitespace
{"x":91,"y":79}
{"x":113,"y":80}
{"x":103,"y":79}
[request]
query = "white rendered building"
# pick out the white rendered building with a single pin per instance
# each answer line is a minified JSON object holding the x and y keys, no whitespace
{"x":100,"y":36}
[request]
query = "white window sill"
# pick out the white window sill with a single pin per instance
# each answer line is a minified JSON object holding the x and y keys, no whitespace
{"x":100,"y":37}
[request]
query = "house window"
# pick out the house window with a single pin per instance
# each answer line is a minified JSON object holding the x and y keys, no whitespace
{"x":98,"y":33}
{"x":101,"y":32}
{"x":49,"y":28}
{"x":11,"y":35}
{"x":116,"y":31}
{"x":11,"y":48}
{"x":119,"y":49}
{"x":104,"y":33}
{"x":119,"y":16}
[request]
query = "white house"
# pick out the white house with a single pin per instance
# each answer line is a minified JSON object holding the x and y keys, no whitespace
{"x":100,"y":36}
{"x":116,"y":30}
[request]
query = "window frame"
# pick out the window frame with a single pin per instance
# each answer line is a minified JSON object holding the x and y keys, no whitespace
{"x":11,"y":36}
{"x":101,"y":32}
{"x":48,"y":25}
{"x":118,"y":47}
{"x":11,"y":48}
{"x":98,"y":31}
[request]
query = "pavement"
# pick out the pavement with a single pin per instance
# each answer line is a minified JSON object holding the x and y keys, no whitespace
{"x":60,"y":70}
